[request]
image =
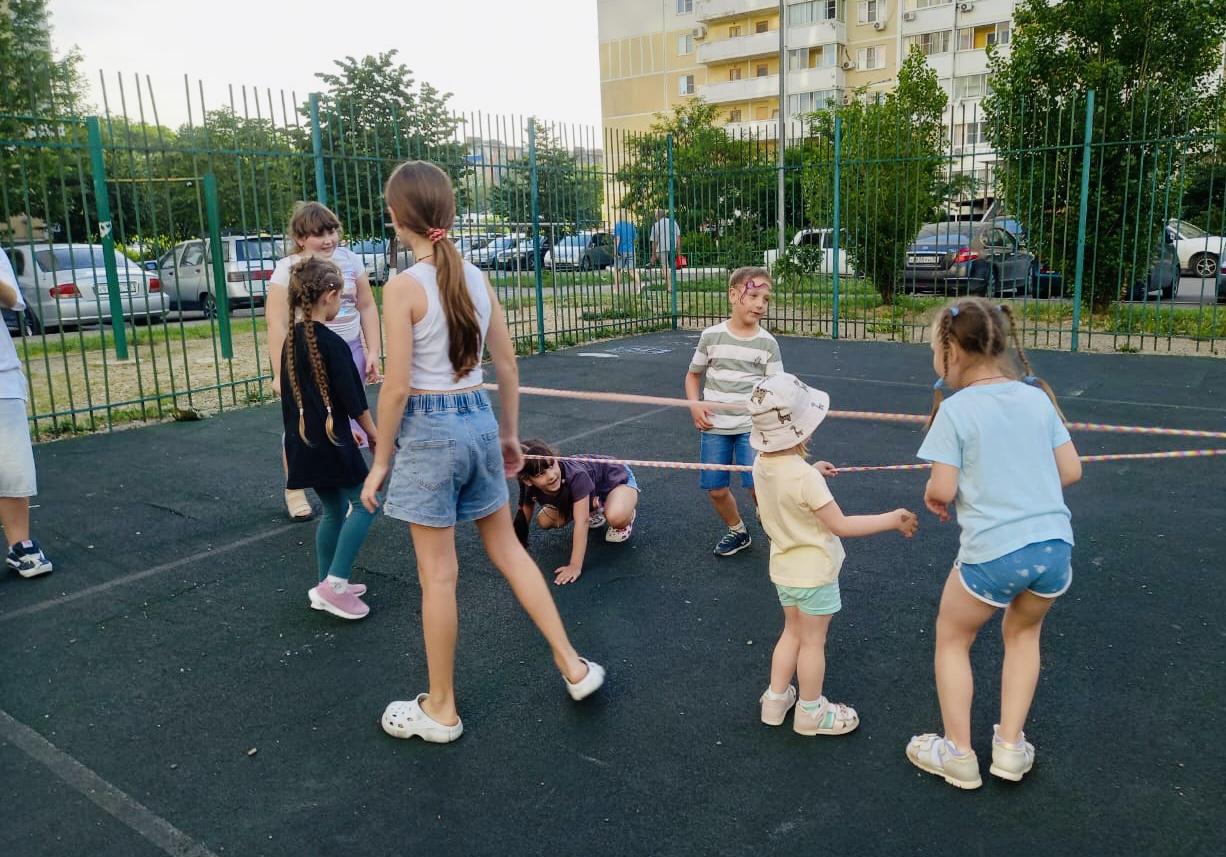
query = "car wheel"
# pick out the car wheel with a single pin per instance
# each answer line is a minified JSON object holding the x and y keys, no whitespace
{"x":1205,"y":265}
{"x":585,"y":264}
{"x":208,"y":305}
{"x":31,"y":326}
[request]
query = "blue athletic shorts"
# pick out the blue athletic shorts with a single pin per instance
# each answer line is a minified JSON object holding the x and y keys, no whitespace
{"x":1044,"y":568}
{"x":724,"y":449}
{"x":448,"y":465}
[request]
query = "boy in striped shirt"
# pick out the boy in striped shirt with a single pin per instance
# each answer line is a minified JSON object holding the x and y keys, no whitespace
{"x":730,"y":359}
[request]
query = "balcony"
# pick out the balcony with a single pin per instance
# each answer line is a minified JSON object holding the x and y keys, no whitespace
{"x":816,"y":79}
{"x":747,"y":89}
{"x":818,"y":34}
{"x":741,"y":47}
{"x":707,"y":11}
{"x":764,"y":129}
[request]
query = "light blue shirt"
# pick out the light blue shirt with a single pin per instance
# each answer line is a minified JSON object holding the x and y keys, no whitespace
{"x":1001,"y":437}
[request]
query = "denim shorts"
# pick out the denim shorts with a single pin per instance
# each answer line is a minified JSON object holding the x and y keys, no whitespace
{"x":814,"y":600}
{"x":1044,"y":568}
{"x":448,"y":466}
{"x":724,"y":449}
{"x":17,"y":478}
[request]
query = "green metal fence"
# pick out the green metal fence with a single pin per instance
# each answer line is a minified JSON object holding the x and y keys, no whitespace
{"x":545,"y":197}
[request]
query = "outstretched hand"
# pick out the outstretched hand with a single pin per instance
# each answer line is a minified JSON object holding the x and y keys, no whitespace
{"x":907,"y":522}
{"x":825,"y":468}
{"x":936,"y":507}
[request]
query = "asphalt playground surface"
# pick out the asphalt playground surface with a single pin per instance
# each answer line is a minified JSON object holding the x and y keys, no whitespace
{"x":167,"y":691}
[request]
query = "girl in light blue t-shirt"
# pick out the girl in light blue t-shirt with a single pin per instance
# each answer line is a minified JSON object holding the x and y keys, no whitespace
{"x":1002,"y":455}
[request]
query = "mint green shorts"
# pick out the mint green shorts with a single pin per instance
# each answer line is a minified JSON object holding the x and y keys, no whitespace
{"x":813,"y":600}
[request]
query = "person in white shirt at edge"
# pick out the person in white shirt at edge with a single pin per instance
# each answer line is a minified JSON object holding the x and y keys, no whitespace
{"x":665,"y":242}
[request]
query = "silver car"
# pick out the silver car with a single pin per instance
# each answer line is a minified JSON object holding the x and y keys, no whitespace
{"x":66,"y":285}
{"x":247,"y":263}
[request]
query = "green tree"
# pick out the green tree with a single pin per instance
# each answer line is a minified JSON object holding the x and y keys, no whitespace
{"x":891,"y":161}
{"x":569,"y":194}
{"x":1150,"y":64}
{"x":721,"y":185}
{"x":373,"y":116}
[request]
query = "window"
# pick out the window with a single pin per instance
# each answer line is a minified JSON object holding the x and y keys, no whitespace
{"x":1003,"y":34}
{"x":825,"y":57}
{"x":775,"y":113}
{"x":685,"y":84}
{"x":799,"y":59}
{"x":761,"y":26}
{"x":734,"y":32}
{"x":761,"y":71}
{"x":924,"y":4}
{"x":810,"y":102}
{"x":734,"y":74}
{"x":931,"y":43}
{"x":972,"y":86}
{"x":760,"y":113}
{"x":684,"y":7}
{"x":814,"y":11}
{"x":873,"y":57}
{"x":969,"y":134}
{"x":966,"y":39}
{"x":685,"y":44}
{"x":734,"y":115}
{"x":868,"y":11}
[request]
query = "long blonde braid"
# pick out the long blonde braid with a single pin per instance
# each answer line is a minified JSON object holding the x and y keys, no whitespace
{"x":1021,"y":355}
{"x":309,"y":280}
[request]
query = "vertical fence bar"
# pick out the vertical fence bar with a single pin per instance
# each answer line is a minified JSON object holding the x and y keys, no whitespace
{"x":220,"y":286}
{"x":317,"y":151}
{"x":669,"y":253}
{"x":837,"y":220}
{"x":535,"y":196}
{"x":1081,"y":217}
{"x":103,"y":203}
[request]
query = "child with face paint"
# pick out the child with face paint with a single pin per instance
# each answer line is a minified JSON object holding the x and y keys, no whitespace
{"x":730,"y":359}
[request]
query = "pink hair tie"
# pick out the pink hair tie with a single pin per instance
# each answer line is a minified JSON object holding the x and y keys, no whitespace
{"x":436,"y":235}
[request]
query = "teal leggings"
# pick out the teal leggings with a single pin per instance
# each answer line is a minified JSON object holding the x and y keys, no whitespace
{"x":342,"y":529}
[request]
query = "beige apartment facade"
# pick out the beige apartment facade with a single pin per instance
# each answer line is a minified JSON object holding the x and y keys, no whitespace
{"x":655,"y":54}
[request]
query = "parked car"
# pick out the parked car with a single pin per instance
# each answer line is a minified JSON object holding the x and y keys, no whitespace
{"x":373,"y":253}
{"x":967,"y":258}
{"x":523,"y":255}
{"x":583,"y":251}
{"x":822,"y":237}
{"x":1200,"y":254}
{"x":1161,"y":279}
{"x":66,"y":285}
{"x":247,"y":262}
{"x":483,"y":257}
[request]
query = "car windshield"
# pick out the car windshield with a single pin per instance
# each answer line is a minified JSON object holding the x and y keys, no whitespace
{"x":943,"y":233}
{"x":84,"y":258}
{"x":1187,"y":230}
{"x":579,"y":240}
{"x":250,"y":249}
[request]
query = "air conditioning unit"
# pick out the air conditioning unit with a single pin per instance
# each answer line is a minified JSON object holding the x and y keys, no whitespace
{"x":699,"y":32}
{"x":908,"y":16}
{"x":878,"y":25}
{"x":848,"y":66}
{"x":965,"y":7}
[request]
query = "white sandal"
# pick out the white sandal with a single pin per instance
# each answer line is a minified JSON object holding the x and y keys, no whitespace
{"x":297,"y":504}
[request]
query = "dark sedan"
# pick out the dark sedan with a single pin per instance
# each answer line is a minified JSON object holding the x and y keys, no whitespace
{"x":954,"y":258}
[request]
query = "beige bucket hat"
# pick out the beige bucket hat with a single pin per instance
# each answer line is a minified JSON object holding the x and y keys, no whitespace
{"x":785,"y":411}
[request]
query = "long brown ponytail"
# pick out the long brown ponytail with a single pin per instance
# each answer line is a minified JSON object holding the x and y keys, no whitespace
{"x":422,"y":199}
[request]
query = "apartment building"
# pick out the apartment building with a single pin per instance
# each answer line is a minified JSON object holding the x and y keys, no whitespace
{"x":656,"y":53}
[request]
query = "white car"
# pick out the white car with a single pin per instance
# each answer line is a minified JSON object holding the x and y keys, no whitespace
{"x":823,"y":238}
{"x":66,"y":285}
{"x":1200,"y":254}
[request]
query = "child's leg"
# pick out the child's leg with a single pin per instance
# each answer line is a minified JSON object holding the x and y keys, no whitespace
{"x":787,"y":651}
{"x":811,"y":660}
{"x":725,"y":505}
{"x":437,"y":571}
{"x":352,"y":532}
{"x":1020,"y":629}
{"x":620,"y":505}
{"x":326,"y":536}
{"x":719,"y":449}
{"x":530,"y":589}
{"x":958,"y":622}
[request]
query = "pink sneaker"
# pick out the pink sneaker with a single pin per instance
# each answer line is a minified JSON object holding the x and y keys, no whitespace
{"x":343,"y":604}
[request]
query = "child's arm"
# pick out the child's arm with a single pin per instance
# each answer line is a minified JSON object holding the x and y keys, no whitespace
{"x":941,"y":489}
{"x":368,"y":425}
{"x":368,"y":315}
{"x":850,"y":526}
{"x":1068,"y":463}
{"x":522,"y":520}
{"x":693,"y":392}
{"x":570,"y":572}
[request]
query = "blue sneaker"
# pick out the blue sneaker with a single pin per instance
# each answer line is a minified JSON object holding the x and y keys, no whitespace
{"x":27,"y":559}
{"x":732,"y":542}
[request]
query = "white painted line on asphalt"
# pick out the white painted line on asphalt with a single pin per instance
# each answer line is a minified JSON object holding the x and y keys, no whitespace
{"x":141,"y":575}
{"x":115,"y":801}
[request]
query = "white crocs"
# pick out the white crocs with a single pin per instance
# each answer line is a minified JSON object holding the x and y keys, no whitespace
{"x":406,"y":719}
{"x":587,"y":685}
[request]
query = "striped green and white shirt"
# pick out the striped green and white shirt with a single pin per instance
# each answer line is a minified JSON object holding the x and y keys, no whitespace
{"x":733,"y":365}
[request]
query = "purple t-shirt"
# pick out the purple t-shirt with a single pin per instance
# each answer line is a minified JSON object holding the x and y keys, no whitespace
{"x":583,"y":479}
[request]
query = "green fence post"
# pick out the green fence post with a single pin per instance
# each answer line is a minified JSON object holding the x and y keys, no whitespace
{"x":221,"y":292}
{"x":838,"y":180}
{"x":534,"y":184}
{"x":103,"y":203}
{"x":1081,"y":217}
{"x":670,"y":250}
{"x":317,"y":151}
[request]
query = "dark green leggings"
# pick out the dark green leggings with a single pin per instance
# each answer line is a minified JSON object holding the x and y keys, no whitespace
{"x":342,"y":529}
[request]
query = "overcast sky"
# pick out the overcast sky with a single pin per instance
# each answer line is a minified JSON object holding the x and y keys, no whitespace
{"x":537,"y":57}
